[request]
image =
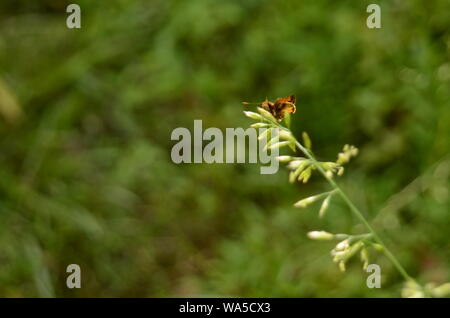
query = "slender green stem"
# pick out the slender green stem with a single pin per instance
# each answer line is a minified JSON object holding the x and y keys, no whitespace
{"x":356,"y":211}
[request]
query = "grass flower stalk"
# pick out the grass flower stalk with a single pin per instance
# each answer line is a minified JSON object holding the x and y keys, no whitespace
{"x":302,"y":168}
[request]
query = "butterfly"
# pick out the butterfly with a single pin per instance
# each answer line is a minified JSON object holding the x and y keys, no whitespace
{"x":280,"y":107}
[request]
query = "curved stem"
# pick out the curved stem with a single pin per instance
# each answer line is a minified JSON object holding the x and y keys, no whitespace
{"x":356,"y":211}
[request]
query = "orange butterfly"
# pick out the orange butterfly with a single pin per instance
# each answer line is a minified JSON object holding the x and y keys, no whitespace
{"x":280,"y":107}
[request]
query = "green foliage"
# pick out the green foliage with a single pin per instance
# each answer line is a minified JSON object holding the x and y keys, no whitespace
{"x":85,"y":123}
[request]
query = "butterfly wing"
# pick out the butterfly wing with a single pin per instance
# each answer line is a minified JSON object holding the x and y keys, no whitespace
{"x":291,"y":99}
{"x":284,"y":105}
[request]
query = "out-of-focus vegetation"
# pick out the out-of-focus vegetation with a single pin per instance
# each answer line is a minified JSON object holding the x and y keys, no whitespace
{"x":85,"y":123}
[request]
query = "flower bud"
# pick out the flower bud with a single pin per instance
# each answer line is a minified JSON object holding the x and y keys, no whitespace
{"x":271,"y":142}
{"x":298,"y":163}
{"x":329,"y":165}
{"x":306,"y":140}
{"x":305,"y":175}
{"x":284,"y":158}
{"x":286,"y":135}
{"x":307,"y":201}
{"x":364,"y":257}
{"x":279,"y":145}
{"x":378,"y":247}
{"x":442,"y":290}
{"x":264,"y":134}
{"x":342,"y":245}
{"x":259,"y":125}
{"x":320,"y":235}
{"x":412,"y":290}
{"x":324,"y":206}
{"x":264,"y":113}
{"x":253,"y":115}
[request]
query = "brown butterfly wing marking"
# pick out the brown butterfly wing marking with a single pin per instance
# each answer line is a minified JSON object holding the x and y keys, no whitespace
{"x":268,"y":105}
{"x":282,"y":106}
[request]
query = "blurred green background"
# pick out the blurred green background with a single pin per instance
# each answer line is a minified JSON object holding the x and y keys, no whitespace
{"x":85,"y":123}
